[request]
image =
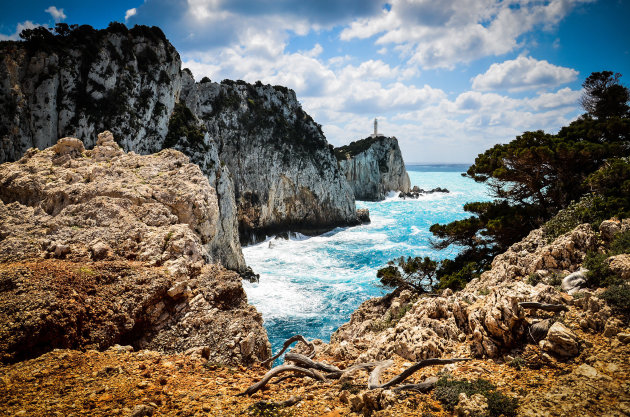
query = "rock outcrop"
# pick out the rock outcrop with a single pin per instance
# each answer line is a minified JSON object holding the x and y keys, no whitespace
{"x":268,"y":161}
{"x":100,"y":246}
{"x":285,"y":174}
{"x":373,"y":167}
{"x":486,"y":314}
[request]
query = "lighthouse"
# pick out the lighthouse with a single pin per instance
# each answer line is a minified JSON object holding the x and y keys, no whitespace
{"x":375,"y":134}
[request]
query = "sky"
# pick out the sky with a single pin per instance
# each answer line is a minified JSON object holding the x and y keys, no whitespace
{"x":448,"y":78}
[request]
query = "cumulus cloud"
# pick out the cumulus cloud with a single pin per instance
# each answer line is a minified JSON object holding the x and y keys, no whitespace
{"x":19,"y":28}
{"x":56,"y":13}
{"x":442,"y":34}
{"x":523,"y":73}
{"x":129,"y":13}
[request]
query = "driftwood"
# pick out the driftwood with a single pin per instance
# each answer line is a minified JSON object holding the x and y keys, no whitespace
{"x":425,"y":386}
{"x":308,"y":363}
{"x":278,"y":370}
{"x":374,"y":380}
{"x":310,"y":368}
{"x":414,"y":368}
{"x":543,"y":306}
{"x":287,"y":343}
{"x":270,"y":405}
{"x":339,"y":374}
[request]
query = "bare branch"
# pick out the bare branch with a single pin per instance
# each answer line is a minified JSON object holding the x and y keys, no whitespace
{"x":425,"y":386}
{"x":374,"y":381}
{"x":278,"y":370}
{"x":308,"y":363}
{"x":415,"y":367}
{"x":287,"y":343}
{"x":543,"y":306}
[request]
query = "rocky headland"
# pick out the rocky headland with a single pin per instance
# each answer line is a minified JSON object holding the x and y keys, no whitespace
{"x":101,"y":247}
{"x":268,"y":161}
{"x":373,"y":166}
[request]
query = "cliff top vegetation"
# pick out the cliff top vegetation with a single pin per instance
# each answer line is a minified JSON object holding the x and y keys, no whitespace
{"x":356,"y":147}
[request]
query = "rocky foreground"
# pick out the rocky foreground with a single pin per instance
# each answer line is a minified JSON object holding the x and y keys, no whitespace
{"x":99,"y":247}
{"x":573,"y":360}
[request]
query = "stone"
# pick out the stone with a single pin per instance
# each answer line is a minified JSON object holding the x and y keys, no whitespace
{"x":620,"y":265}
{"x":561,"y":341}
{"x":572,"y":283}
{"x":538,"y":331}
{"x":476,"y":405}
{"x":142,"y":410}
{"x":363,"y":215}
{"x":585,"y":371}
{"x":609,"y":228}
{"x":100,"y":250}
{"x":624,"y":337}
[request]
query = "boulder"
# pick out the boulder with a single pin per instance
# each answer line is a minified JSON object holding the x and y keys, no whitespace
{"x":561,"y":341}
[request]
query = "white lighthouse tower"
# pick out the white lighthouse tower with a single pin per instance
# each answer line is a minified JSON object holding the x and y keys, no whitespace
{"x":375,"y":134}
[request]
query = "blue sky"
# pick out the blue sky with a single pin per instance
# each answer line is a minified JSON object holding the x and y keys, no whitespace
{"x":448,"y":78}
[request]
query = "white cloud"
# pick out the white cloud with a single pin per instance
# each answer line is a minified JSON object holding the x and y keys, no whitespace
{"x":442,"y":34}
{"x":56,"y":13}
{"x":523,"y":73}
{"x":20,"y":27}
{"x":129,"y":13}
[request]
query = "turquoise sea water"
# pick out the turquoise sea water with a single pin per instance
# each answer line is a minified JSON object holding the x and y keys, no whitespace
{"x":311,"y":285}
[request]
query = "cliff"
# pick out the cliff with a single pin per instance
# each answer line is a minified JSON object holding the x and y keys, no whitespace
{"x":285,"y":174}
{"x":373,"y":167}
{"x":269,"y":162}
{"x":99,"y":247}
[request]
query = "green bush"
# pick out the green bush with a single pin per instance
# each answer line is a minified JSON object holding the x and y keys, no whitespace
{"x":447,"y":391}
{"x":618,"y":297}
{"x":599,"y":273}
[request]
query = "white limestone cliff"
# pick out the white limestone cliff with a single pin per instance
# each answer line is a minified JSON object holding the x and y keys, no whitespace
{"x":373,"y":167}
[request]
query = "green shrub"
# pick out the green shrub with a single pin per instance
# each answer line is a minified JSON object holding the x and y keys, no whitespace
{"x":501,"y":405}
{"x":618,"y":297}
{"x":599,"y":273}
{"x":534,"y":279}
{"x":447,"y":391}
{"x":569,"y":218}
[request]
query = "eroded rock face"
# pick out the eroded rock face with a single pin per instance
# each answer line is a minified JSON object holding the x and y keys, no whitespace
{"x":285,"y":174}
{"x":486,"y":314}
{"x":270,"y":165}
{"x":126,"y":81}
{"x":374,"y":167}
{"x":101,"y":247}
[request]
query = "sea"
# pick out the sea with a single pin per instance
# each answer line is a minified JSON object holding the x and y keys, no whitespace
{"x":311,"y":285}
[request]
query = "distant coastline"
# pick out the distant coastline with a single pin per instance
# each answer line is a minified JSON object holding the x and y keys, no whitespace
{"x":437,"y":167}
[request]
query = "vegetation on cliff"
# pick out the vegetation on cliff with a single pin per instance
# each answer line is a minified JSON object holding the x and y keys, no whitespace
{"x":583,"y":169}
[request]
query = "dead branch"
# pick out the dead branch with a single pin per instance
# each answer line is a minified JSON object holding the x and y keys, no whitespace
{"x":339,"y":374}
{"x":374,"y":380}
{"x":308,"y":363}
{"x":278,"y":370}
{"x":425,"y":386}
{"x":543,"y":306}
{"x":415,"y":367}
{"x":287,"y":343}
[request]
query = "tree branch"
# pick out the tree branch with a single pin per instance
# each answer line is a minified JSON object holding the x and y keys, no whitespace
{"x":287,"y":343}
{"x":278,"y":370}
{"x":543,"y":306}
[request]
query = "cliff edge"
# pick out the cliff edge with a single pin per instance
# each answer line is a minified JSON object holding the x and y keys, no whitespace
{"x":99,"y":247}
{"x":373,"y":166}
